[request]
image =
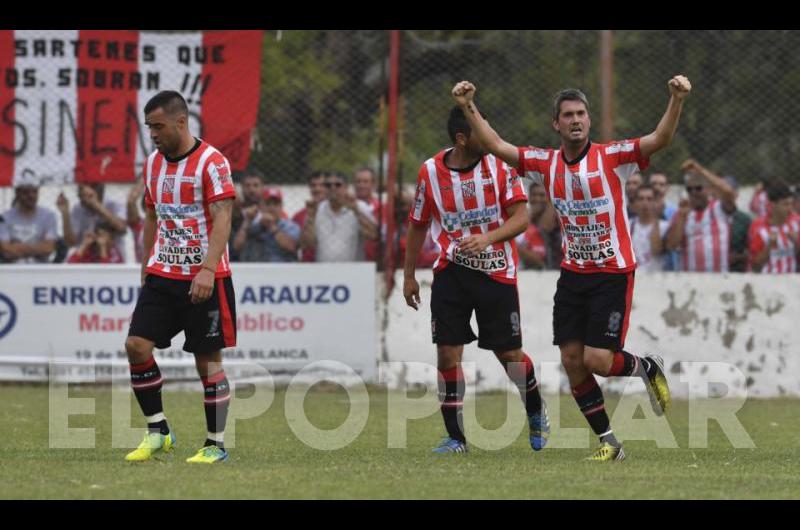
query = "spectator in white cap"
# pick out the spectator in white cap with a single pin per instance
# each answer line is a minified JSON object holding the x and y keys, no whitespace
{"x":28,"y":231}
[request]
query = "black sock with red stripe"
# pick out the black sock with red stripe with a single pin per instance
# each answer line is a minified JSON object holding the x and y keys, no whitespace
{"x":590,"y":400}
{"x":216,"y":399}
{"x":451,"y":397}
{"x":146,"y":381}
{"x":528,"y":385}
{"x":626,"y":364}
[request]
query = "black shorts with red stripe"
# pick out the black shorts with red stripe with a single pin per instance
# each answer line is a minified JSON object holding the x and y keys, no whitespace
{"x":164,"y":309}
{"x":593,"y":308}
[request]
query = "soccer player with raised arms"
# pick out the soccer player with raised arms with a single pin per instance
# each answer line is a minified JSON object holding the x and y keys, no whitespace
{"x":585,"y":182}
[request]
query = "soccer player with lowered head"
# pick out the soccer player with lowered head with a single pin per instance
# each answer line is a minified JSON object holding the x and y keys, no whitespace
{"x":475,"y":206}
{"x":186,"y":274}
{"x":585,"y":182}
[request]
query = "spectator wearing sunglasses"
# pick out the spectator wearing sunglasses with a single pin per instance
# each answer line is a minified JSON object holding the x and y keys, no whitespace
{"x":337,"y":228}
{"x":701,"y":229}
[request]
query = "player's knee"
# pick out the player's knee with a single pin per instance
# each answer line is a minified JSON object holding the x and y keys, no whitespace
{"x":510,"y":356}
{"x":448,"y":356}
{"x":138,"y":349}
{"x":596,"y":361}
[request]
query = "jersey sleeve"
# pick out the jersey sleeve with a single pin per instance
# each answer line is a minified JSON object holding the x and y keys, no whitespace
{"x":626,"y":157}
{"x":514,"y":191}
{"x":534,"y":163}
{"x":420,"y":212}
{"x":217,"y":182}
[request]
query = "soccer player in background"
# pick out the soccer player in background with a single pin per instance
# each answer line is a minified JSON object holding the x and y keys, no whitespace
{"x":186,"y":274}
{"x":585,"y":182}
{"x":475,"y":206}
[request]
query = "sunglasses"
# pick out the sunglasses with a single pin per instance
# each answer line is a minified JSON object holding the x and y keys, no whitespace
{"x":690,"y":189}
{"x":334,"y":184}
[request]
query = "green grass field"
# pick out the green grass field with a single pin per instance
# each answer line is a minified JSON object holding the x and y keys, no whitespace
{"x":269,"y":461}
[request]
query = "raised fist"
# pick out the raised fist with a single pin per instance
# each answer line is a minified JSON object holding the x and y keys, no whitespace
{"x":679,"y":86}
{"x":463,"y":92}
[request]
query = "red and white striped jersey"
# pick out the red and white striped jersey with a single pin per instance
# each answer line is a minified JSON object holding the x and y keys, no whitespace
{"x":759,"y":204}
{"x":461,"y":203}
{"x":782,"y":258}
{"x":706,"y":239}
{"x":589,"y":197}
{"x":180,"y":192}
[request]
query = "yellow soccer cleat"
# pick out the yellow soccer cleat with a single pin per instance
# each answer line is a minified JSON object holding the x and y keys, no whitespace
{"x":607,"y":453}
{"x":209,"y":455}
{"x":657,"y":386}
{"x":153,"y":443}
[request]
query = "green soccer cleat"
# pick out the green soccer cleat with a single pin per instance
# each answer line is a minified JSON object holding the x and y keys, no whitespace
{"x":607,"y":453}
{"x":657,"y":386}
{"x":209,"y":455}
{"x":153,"y":443}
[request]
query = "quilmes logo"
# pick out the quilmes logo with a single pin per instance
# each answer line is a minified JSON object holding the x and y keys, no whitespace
{"x":8,"y":315}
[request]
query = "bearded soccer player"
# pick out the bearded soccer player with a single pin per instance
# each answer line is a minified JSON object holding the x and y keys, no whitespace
{"x":186,"y":275}
{"x":475,"y":206}
{"x":585,"y":182}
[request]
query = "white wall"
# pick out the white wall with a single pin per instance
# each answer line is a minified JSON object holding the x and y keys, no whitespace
{"x":745,"y":320}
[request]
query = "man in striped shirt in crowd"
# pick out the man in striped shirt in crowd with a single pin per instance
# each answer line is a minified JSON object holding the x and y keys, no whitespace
{"x":701,"y":228}
{"x":186,"y":274}
{"x":774,"y":237}
{"x":586,"y":184}
{"x":475,"y":206}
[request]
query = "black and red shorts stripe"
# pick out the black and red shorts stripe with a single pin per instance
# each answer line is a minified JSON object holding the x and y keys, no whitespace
{"x":593,"y":308}
{"x":164,"y":309}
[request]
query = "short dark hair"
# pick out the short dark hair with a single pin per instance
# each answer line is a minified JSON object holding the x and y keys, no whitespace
{"x":457,"y":123}
{"x":365,"y":168}
{"x":171,"y":101}
{"x":644,"y":187}
{"x":316,"y":175}
{"x":778,"y":190}
{"x":568,"y":94}
{"x":337,"y":174}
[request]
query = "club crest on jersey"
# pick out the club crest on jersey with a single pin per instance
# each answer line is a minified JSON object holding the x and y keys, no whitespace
{"x":169,"y":185}
{"x":468,"y":189}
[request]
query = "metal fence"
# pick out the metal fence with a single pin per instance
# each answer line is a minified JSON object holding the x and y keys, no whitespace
{"x":324,"y":105}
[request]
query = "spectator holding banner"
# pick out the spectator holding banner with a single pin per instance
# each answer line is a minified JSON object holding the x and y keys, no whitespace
{"x":91,"y":210}
{"x":774,"y":237}
{"x":28,"y":231}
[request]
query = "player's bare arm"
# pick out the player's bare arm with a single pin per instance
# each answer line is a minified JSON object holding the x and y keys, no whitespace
{"x":724,"y":190}
{"x":148,"y":236}
{"x":679,"y":88}
{"x":464,"y":94}
{"x":203,"y":283}
{"x":415,"y":238}
{"x":516,"y":224}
